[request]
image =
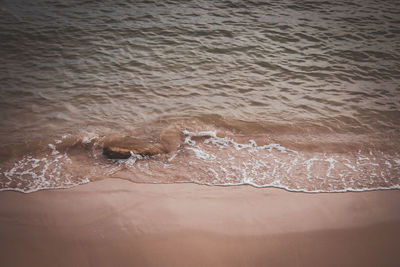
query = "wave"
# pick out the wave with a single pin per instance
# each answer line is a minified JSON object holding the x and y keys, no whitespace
{"x":205,"y":154}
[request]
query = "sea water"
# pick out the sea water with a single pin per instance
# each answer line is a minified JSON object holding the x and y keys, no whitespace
{"x":301,"y":95}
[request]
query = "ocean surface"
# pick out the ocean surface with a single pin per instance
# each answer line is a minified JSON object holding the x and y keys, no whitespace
{"x":301,"y":95}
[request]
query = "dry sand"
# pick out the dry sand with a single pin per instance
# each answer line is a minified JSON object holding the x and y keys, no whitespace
{"x":118,"y":223}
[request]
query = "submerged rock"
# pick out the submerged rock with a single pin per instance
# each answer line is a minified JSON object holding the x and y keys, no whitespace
{"x":124,"y":147}
{"x":116,"y":152}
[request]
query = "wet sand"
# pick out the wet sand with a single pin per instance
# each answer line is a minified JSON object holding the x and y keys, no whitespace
{"x":118,"y":223}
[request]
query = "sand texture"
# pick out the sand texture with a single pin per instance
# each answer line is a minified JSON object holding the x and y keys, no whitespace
{"x":119,"y":223}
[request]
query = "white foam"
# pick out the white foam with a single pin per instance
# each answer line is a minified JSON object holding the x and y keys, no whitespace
{"x":38,"y":188}
{"x":276,"y":184}
{"x":89,"y":137}
{"x":201,"y":154}
{"x":32,"y":174}
{"x":263,"y":166}
{"x":172,"y":157}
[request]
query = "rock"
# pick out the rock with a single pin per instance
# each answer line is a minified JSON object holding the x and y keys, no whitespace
{"x":122,"y":148}
{"x":112,"y":152}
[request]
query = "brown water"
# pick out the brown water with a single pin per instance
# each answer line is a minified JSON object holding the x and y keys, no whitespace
{"x":302,"y":95}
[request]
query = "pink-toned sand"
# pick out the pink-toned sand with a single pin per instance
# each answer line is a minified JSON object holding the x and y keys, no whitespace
{"x":118,"y":223}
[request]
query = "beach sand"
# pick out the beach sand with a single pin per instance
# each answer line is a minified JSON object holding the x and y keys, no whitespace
{"x":119,"y":223}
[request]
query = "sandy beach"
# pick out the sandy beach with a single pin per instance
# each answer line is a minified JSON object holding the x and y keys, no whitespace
{"x":199,"y":133}
{"x":119,"y":223}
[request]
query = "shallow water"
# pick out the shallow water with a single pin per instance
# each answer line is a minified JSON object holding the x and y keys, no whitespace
{"x":302,"y":95}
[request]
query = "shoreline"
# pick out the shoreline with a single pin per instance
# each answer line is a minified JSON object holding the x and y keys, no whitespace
{"x":347,"y":190}
{"x":117,"y":222}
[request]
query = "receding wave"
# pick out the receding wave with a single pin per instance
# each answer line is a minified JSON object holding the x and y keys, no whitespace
{"x":206,"y":154}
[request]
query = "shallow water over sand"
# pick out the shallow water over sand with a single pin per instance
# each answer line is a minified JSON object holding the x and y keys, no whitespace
{"x":299,"y":95}
{"x":296,"y":158}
